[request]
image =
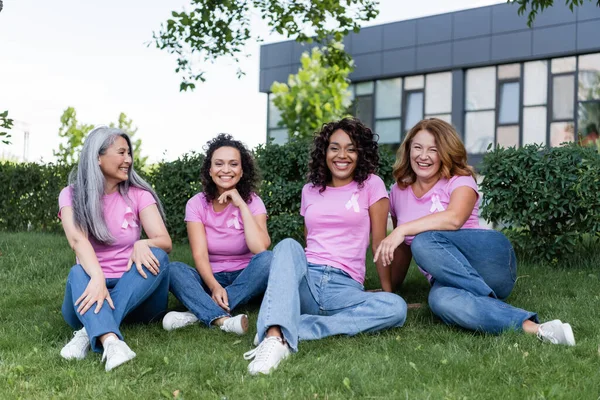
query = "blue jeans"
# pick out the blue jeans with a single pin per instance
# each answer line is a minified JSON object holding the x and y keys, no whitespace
{"x":138,"y":299}
{"x":241,"y":286}
{"x":473,"y":270}
{"x":309,"y":301}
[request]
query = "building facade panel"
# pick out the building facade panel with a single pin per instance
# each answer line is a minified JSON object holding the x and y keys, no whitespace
{"x":472,"y":23}
{"x":399,"y":62}
{"x":506,"y":19}
{"x":558,"y":14}
{"x":399,"y":34}
{"x":434,"y":29}
{"x":588,"y":10}
{"x":434,"y":56}
{"x":554,"y":40}
{"x":367,"y":66}
{"x":367,"y":41}
{"x":472,"y":51}
{"x":511,"y":46}
{"x":588,"y":35}
{"x":279,"y":54}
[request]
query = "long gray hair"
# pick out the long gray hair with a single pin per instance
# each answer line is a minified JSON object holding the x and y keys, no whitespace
{"x":88,"y":182}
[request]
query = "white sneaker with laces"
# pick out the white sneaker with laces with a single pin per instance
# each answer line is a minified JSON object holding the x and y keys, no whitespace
{"x":77,"y":347}
{"x":176,"y":320}
{"x":237,"y":324}
{"x":267,"y":356}
{"x":116,"y":352}
{"x":556,"y":332}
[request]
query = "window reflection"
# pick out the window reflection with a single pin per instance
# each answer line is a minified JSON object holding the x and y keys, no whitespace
{"x":509,"y":103}
{"x":561,"y":132}
{"x":414,"y":109}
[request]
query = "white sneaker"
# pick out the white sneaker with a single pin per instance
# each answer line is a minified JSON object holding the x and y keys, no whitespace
{"x":116,"y":352}
{"x":556,"y":332}
{"x":176,"y":320}
{"x":77,"y":347}
{"x":237,"y":324}
{"x":255,"y":341}
{"x":267,"y":355}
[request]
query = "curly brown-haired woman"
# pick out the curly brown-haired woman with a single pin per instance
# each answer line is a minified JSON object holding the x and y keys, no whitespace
{"x":318,"y":291}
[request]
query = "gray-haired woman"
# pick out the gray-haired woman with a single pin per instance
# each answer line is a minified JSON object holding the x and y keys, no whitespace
{"x":102,"y":212}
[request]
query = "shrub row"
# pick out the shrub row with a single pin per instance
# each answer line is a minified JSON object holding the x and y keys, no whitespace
{"x":546,"y":199}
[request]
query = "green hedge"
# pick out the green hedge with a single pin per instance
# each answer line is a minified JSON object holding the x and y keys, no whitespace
{"x":30,"y":200}
{"x":547,"y":199}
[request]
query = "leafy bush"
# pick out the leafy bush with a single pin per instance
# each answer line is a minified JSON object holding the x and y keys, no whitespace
{"x":175,"y":183}
{"x":29,"y":196}
{"x":547,"y":199}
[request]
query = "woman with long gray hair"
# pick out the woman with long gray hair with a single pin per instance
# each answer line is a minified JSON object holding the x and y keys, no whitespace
{"x":117,"y":275}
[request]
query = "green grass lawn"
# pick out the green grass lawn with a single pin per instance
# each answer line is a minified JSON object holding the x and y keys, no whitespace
{"x":422,"y":360}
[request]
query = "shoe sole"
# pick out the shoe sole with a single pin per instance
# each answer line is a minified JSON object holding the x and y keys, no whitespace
{"x":244,"y":323}
{"x":569,"y":336}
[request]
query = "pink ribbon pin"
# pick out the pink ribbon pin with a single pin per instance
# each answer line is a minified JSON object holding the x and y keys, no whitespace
{"x":353,"y":202}
{"x":234,"y":220}
{"x":436,"y":204}
{"x":129,"y":219}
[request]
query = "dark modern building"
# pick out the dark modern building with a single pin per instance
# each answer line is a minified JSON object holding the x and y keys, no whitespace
{"x":484,"y":70}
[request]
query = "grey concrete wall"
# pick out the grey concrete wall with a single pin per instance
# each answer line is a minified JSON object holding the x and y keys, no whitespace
{"x":463,"y":39}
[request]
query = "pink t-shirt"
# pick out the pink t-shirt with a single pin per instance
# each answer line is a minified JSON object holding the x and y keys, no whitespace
{"x":123,"y":222}
{"x":405,"y":206}
{"x":338,"y":224}
{"x":227,"y":249}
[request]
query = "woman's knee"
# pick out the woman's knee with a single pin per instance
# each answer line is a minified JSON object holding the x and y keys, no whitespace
{"x":287,"y":245}
{"x":421,"y":244}
{"x":161,"y":256}
{"x":77,"y":273}
{"x":394,"y":308}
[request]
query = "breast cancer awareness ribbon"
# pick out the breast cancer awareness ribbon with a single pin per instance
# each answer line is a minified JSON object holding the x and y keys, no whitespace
{"x":234,"y":220}
{"x":129,"y":219}
{"x":436,"y":204}
{"x":353,"y":202}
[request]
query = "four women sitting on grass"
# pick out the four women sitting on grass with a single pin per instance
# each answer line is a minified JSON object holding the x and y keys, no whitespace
{"x":311,"y":293}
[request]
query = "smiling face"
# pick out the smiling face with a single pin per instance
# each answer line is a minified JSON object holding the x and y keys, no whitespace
{"x":424,"y":157}
{"x":115,"y":162}
{"x":226,"y":168}
{"x":341,"y":158}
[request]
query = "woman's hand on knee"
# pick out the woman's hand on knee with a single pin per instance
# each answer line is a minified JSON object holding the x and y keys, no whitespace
{"x":142,"y":256}
{"x":219,"y":295}
{"x":385,"y":250}
{"x":94,"y":293}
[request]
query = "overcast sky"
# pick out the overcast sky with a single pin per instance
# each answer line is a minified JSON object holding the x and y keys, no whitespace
{"x":93,"y":55}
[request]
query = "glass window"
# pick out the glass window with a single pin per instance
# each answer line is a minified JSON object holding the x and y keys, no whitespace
{"x":509,"y":71}
{"x":535,"y":83}
{"x":443,"y":117}
{"x":389,"y":95}
{"x":352,"y":89}
{"x":388,"y":130}
{"x":278,"y":136}
{"x":589,"y":77}
{"x":414,"y":82}
{"x":563,"y":97}
{"x":561,"y":132}
{"x":438,"y":93}
{"x":589,"y":122}
{"x":274,"y":114}
{"x":364,"y":88}
{"x":479,"y":131}
{"x":481,"y":88}
{"x":534,"y":125}
{"x":414,"y":109}
{"x":509,"y":103}
{"x":508,"y":136}
{"x":565,"y":64}
{"x":364,"y":110}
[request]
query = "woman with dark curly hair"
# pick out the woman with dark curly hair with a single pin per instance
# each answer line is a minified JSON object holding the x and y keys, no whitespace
{"x":318,"y":291}
{"x":227,"y":230}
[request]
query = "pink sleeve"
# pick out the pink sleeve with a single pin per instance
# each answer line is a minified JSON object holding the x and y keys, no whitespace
{"x":458,"y":181}
{"x":194,"y":209}
{"x":375,"y":189}
{"x":304,"y":200}
{"x":144,"y":199}
{"x":65,"y":199}
{"x":257,"y":206}
{"x":393,"y":200}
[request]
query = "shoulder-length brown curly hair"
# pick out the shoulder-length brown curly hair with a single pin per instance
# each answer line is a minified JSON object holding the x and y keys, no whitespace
{"x":248,"y":182}
{"x":451,"y":151}
{"x":366,"y":146}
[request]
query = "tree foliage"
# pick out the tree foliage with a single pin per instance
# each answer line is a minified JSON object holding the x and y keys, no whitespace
{"x":211,"y":29}
{"x":318,"y":93}
{"x":5,"y":123}
{"x":75,"y":132}
{"x":533,"y":7}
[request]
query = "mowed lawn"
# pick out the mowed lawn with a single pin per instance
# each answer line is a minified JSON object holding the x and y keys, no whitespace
{"x":423,"y":360}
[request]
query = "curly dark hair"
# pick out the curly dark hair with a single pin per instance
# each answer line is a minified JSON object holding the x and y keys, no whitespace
{"x":366,"y":145}
{"x":248,"y":182}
